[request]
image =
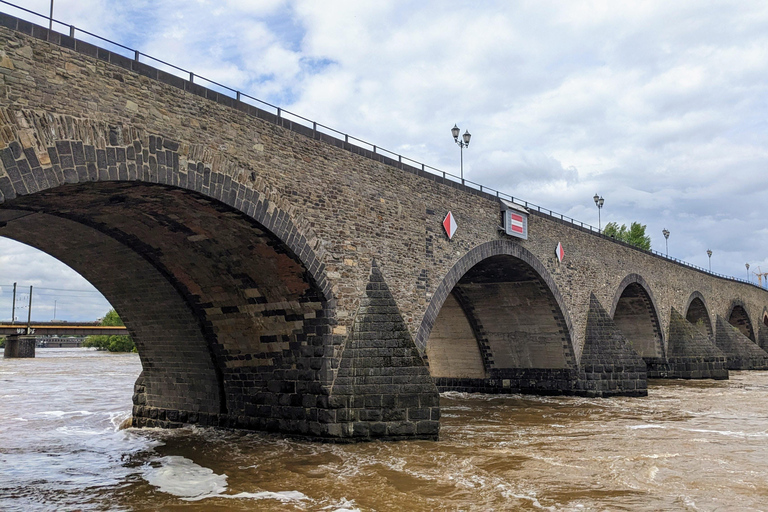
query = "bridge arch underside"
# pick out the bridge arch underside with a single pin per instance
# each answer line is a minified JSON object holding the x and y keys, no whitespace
{"x":636,"y":318}
{"x":698,"y":315}
{"x":230,"y":327}
{"x":501,"y":329}
{"x":740,"y":320}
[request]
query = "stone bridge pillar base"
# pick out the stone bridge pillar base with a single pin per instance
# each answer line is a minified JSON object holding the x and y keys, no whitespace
{"x":19,"y":346}
{"x":532,"y":381}
{"x":691,"y":354}
{"x":742,"y":352}
{"x":609,"y":365}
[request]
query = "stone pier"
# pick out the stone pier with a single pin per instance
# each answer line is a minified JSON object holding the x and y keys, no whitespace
{"x":17,"y":346}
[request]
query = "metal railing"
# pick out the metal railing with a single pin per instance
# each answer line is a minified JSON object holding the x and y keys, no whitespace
{"x":319,"y":129}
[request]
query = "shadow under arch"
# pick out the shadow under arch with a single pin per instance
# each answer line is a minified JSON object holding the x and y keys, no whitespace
{"x":739,"y":318}
{"x":498,"y":309}
{"x":635,"y":313}
{"x":697,"y":313}
{"x":242,"y":308}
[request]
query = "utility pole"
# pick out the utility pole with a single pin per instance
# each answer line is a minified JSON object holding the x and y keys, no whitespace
{"x":29,"y":313}
{"x":13,"y":308}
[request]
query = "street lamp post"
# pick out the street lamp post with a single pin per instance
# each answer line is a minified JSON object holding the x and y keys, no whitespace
{"x":599,"y":203}
{"x":462,"y":144}
{"x":709,"y":255}
{"x":665,"y":232}
{"x":747,"y":265}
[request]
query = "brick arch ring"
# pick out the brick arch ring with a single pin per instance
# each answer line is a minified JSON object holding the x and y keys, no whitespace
{"x":696,"y":295}
{"x":109,"y":157}
{"x":638,"y":279}
{"x":734,"y":303}
{"x":740,"y":303}
{"x":469,"y":260}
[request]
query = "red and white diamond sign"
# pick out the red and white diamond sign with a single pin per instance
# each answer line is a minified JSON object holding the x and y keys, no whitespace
{"x":560,"y":252}
{"x":449,"y":223}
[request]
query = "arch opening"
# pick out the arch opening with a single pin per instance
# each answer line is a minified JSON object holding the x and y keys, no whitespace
{"x":739,"y":318}
{"x":228,"y":321}
{"x":501,"y":329}
{"x":635,"y":316}
{"x":698,"y":315}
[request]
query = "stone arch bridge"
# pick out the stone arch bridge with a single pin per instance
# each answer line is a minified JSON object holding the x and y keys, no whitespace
{"x":275,"y":278}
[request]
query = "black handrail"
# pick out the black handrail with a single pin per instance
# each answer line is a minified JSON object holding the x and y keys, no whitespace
{"x":281,"y":114}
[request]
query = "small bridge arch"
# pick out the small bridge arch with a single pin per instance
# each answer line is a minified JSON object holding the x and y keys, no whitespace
{"x":739,"y":318}
{"x":697,"y":313}
{"x":496,"y":313}
{"x":635,"y":313}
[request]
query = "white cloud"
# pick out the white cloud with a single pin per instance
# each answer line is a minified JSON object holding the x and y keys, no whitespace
{"x":658,"y":106}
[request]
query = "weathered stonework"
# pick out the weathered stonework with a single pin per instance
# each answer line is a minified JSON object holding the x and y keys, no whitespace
{"x":383,"y":388}
{"x":609,"y":364}
{"x":258,"y":235}
{"x":19,"y":347}
{"x":692,"y":355}
{"x":741,"y":352}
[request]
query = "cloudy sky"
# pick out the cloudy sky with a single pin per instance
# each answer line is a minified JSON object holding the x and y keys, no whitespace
{"x":661,"y":107}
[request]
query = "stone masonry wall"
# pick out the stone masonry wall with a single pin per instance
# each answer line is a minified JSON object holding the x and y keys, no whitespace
{"x":349,"y":204}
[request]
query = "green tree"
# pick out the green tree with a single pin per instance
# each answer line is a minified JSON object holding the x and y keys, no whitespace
{"x":635,"y":235}
{"x":111,"y":343}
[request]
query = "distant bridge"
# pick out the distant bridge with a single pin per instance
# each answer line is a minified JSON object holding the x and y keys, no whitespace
{"x":62,"y":329}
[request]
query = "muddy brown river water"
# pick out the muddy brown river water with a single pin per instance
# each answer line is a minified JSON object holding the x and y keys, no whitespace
{"x":690,"y":445}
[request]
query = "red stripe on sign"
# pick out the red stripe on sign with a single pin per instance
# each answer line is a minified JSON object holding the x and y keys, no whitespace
{"x":514,"y":216}
{"x":517,"y":229}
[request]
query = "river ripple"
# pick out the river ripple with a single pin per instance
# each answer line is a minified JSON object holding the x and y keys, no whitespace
{"x":695,"y":445}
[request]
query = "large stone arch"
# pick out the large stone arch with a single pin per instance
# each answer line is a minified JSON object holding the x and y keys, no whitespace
{"x":697,"y":313}
{"x":635,"y":313}
{"x":739,"y":318}
{"x":241,"y":335}
{"x":500,"y":301}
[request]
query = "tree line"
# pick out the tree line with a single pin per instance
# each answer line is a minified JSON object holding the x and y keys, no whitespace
{"x":117,"y":343}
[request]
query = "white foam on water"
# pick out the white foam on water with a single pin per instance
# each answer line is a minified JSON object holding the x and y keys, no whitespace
{"x":189,"y":481}
{"x":729,"y":433}
{"x":640,"y":427}
{"x":75,"y":431}
{"x":532,"y":499}
{"x":181,"y":477}
{"x":61,"y":414}
{"x":19,"y":419}
{"x":282,"y":496}
{"x":660,"y":456}
{"x":117,"y":418}
{"x":344,"y":505}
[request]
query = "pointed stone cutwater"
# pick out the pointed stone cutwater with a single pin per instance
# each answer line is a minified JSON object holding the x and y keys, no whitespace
{"x":609,"y":364}
{"x":742,"y":353}
{"x":383,"y":389}
{"x":691,"y":354}
{"x":762,"y":337}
